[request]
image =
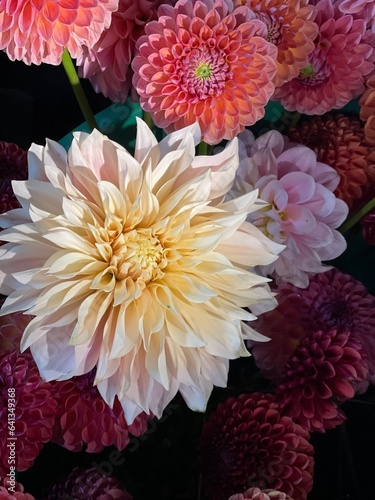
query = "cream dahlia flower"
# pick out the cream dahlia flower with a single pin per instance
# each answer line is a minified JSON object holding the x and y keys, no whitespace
{"x":134,"y":265}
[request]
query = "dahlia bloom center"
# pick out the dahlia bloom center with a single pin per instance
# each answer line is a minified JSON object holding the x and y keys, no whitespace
{"x":314,"y":73}
{"x":204,"y":72}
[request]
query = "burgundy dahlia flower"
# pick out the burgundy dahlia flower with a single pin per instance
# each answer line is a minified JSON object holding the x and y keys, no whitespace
{"x":321,"y":374}
{"x":332,"y":300}
{"x":257,"y":494}
{"x":84,"y":419}
{"x":13,"y":166}
{"x":247,"y":442}
{"x":35,"y":409}
{"x":89,"y":484}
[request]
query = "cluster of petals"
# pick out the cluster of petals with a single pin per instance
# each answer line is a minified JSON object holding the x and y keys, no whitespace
{"x":108,"y":62}
{"x":364,"y":9}
{"x":84,"y":420}
{"x":333,"y":299}
{"x":367,"y":111}
{"x":12,"y":327}
{"x":136,"y":265}
{"x":258,"y":494}
{"x":336,"y":69}
{"x":90,"y":483}
{"x":35,"y":409}
{"x":37,"y":31}
{"x":13,"y":166}
{"x":17,"y":491}
{"x":321,"y":374}
{"x":340,"y":141}
{"x":205,"y":62}
{"x":300,"y":211}
{"x":248,"y":442}
{"x":291,"y":27}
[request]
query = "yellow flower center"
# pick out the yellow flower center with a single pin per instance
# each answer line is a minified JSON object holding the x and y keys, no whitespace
{"x":139,"y":255}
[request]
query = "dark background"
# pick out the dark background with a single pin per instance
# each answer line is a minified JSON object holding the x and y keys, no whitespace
{"x":37,"y":102}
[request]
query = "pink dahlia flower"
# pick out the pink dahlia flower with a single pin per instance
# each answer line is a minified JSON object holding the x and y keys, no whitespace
{"x":300,"y":209}
{"x":84,"y":419}
{"x":107,"y":63}
{"x":35,"y":409}
{"x":206,"y":63}
{"x":321,"y":373}
{"x":291,"y":28}
{"x":134,"y":264}
{"x":332,"y":300}
{"x":36,"y":31}
{"x":89,"y":484}
{"x":336,"y":69}
{"x":247,"y":442}
{"x":8,"y":491}
{"x":257,"y":494}
{"x":13,"y":166}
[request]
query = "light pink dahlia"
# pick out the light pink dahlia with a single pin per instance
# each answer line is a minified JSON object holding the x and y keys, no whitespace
{"x":321,"y":374}
{"x":207,"y":63}
{"x":332,"y":300}
{"x":258,"y":494}
{"x":9,"y":491}
{"x":291,"y":28}
{"x":89,"y":484}
{"x":336,"y":69}
{"x":107,"y":63}
{"x":36,"y":31}
{"x":13,"y":166}
{"x":300,"y":209}
{"x":247,"y":442}
{"x":35,"y":409}
{"x":83,"y":419}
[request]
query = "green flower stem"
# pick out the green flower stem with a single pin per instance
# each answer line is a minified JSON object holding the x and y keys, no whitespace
{"x":352,"y":221}
{"x":203,"y":148}
{"x":148,"y":120}
{"x":78,"y":90}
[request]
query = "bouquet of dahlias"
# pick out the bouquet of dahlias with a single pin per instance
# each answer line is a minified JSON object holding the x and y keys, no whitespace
{"x":187,"y":278}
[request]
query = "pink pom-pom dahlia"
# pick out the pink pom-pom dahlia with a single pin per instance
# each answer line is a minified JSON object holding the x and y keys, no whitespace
{"x":206,"y":63}
{"x":84,"y":419}
{"x":247,"y":442}
{"x":332,"y":300}
{"x":107,"y":64}
{"x":321,"y":373}
{"x":36,"y":31}
{"x":291,"y":28}
{"x":34,"y":405}
{"x":300,"y":209}
{"x":336,"y":70}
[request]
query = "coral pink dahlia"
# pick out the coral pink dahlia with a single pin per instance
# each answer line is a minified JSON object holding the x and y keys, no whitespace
{"x":208,"y":63}
{"x":291,"y":28}
{"x":107,"y":63}
{"x":247,"y":442}
{"x":36,"y":31}
{"x":136,"y":265}
{"x":84,"y":419}
{"x":336,"y":69}
{"x":321,"y":373}
{"x":35,"y":409}
{"x":300,"y":209}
